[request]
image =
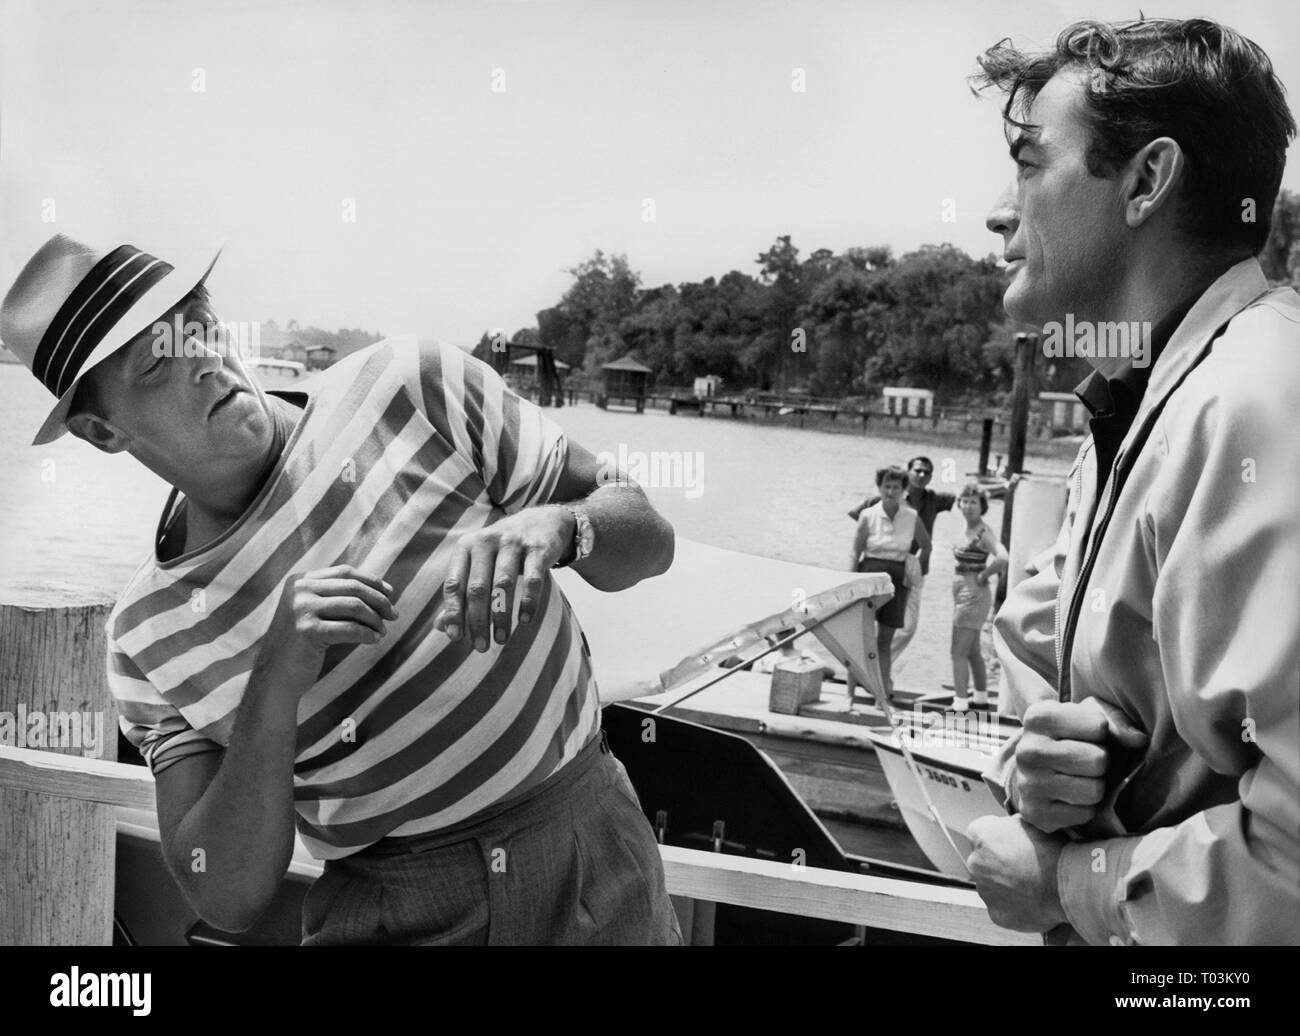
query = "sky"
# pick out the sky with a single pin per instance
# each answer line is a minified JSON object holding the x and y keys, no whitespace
{"x":435,"y":168}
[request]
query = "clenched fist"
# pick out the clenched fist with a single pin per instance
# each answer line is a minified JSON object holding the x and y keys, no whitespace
{"x":1062,"y":758}
{"x":339,"y":605}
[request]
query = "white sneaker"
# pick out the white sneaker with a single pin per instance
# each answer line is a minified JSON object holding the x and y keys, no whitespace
{"x":980,"y":698}
{"x":960,"y":704}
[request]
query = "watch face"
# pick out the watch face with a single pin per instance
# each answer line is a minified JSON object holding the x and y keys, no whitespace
{"x":586,"y":537}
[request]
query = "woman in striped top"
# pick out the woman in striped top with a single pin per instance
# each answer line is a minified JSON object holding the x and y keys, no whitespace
{"x":979,"y":555}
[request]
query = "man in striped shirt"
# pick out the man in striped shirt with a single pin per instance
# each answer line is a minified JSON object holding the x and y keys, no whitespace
{"x":348,"y":622}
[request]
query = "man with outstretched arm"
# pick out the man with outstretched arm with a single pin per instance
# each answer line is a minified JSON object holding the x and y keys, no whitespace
{"x":348,"y":622}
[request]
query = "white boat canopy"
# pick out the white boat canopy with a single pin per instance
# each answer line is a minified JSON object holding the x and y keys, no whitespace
{"x":638,"y":636}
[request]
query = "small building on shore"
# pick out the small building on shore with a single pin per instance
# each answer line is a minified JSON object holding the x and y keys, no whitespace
{"x":527,"y":365}
{"x":278,"y":343}
{"x":625,"y":381}
{"x":1062,"y":412}
{"x":909,"y":402}
{"x":318,"y":357}
{"x":524,"y":376}
{"x":707,"y":386}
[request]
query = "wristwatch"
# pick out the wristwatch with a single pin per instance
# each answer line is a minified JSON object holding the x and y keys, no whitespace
{"x":584,"y":539}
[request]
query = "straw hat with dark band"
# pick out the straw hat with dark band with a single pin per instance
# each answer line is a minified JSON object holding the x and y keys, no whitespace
{"x":73,"y":306}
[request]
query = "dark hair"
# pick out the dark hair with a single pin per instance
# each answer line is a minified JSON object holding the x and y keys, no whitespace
{"x":891,"y":473}
{"x":926,"y":460}
{"x":973,"y":489}
{"x":1198,"y":82}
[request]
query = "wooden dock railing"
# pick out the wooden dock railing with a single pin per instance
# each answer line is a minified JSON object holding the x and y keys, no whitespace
{"x":693,"y":875}
{"x":899,"y":906}
{"x":58,"y":817}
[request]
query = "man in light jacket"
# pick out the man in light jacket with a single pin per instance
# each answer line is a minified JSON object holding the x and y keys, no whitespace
{"x":1154,"y":792}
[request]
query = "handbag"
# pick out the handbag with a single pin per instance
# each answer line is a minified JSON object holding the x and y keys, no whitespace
{"x":912,"y":576}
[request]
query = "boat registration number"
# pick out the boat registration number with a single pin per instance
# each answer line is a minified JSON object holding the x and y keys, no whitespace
{"x":939,"y":777}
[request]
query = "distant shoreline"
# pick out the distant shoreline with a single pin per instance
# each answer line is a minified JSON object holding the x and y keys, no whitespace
{"x":882,"y":427}
{"x":1057,"y":449}
{"x":879,"y":427}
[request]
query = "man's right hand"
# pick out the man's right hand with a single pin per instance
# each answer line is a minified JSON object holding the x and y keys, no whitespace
{"x":339,"y":605}
{"x":1062,"y":758}
{"x":237,"y":804}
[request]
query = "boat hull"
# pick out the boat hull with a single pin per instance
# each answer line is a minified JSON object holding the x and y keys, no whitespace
{"x":951,"y":777}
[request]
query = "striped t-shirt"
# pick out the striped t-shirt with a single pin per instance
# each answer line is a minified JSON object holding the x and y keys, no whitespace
{"x":401,"y":449}
{"x":970,"y":554}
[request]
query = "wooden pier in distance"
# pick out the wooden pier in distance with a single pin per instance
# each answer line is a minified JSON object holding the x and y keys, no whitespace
{"x":768,"y":406}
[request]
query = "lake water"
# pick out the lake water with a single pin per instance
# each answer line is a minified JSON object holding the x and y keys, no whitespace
{"x":74,"y":521}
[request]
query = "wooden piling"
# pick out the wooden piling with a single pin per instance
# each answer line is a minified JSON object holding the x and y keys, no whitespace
{"x":1021,"y":387}
{"x":986,"y":442}
{"x":56,"y":853}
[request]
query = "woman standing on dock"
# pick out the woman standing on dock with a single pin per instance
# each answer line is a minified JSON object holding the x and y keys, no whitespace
{"x":881,"y":544}
{"x":979,"y":555}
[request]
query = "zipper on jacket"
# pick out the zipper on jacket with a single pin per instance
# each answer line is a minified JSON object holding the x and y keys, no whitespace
{"x":1095,"y":534}
{"x":1078,"y":493}
{"x":1066,"y":643}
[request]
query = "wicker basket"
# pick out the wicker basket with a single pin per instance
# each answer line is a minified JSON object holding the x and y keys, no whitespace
{"x":795,"y":684}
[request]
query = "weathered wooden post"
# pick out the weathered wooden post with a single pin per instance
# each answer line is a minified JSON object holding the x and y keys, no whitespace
{"x":1026,"y":346}
{"x":986,"y":442}
{"x":1021,"y":386}
{"x":57,"y":854}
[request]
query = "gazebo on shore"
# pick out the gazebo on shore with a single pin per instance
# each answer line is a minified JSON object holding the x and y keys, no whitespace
{"x":626,"y":381}
{"x":530,"y":369}
{"x":538,"y":366}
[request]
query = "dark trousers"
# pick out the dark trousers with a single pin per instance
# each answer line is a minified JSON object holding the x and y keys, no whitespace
{"x":571,"y":862}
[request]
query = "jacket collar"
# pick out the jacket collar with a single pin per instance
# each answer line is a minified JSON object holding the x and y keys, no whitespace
{"x":1104,"y":396}
{"x":1234,"y":290}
